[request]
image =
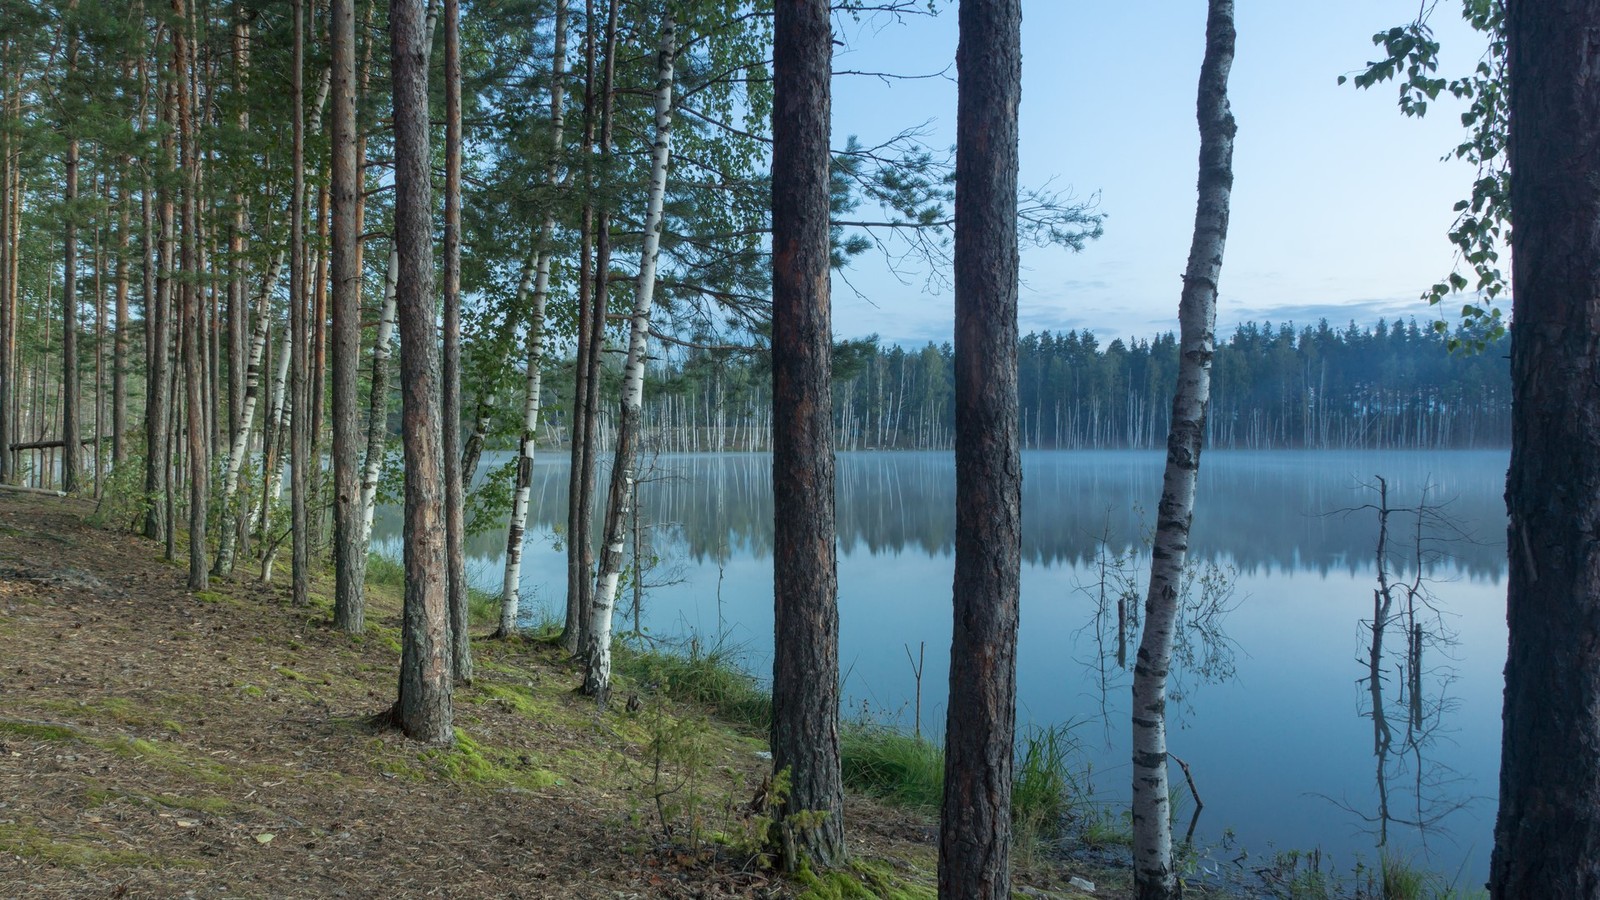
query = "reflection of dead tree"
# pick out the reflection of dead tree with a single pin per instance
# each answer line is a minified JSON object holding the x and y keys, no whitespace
{"x":1202,"y":652}
{"x":646,"y":569}
{"x":1404,"y":607}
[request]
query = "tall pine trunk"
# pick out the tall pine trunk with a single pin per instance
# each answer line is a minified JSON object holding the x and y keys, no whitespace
{"x":1154,"y":875}
{"x":805,"y":658}
{"x":980,"y":724}
{"x":349,"y":557}
{"x":450,"y":374}
{"x":1547,"y":833}
{"x":199,"y":461}
{"x":158,"y":333}
{"x":579,"y":585}
{"x":597,"y":679}
{"x":71,"y":440}
{"x":424,"y":708}
{"x":299,"y":401}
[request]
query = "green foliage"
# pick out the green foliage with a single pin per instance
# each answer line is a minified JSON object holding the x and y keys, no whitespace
{"x":123,"y":502}
{"x":673,"y":781}
{"x":1483,"y":220}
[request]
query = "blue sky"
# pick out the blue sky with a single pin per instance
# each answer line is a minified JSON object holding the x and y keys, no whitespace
{"x":1340,"y":204}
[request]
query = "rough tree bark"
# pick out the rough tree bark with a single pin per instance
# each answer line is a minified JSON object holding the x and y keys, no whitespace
{"x":71,"y":448}
{"x":450,"y":402}
{"x":582,"y":416}
{"x":1154,"y":875}
{"x":158,"y":399}
{"x":975,"y":827}
{"x":119,"y":347}
{"x":194,"y":367}
{"x":1547,"y":834}
{"x":299,"y":407}
{"x":349,"y":557}
{"x":805,"y":659}
{"x":597,"y":677}
{"x":424,"y":709}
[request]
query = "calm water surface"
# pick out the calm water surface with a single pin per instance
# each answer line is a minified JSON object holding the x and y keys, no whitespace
{"x":1274,"y":701}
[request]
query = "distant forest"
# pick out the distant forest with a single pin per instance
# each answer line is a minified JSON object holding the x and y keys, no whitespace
{"x":1393,"y":385}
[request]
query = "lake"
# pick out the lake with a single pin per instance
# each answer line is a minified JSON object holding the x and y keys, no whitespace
{"x":1273,"y":701}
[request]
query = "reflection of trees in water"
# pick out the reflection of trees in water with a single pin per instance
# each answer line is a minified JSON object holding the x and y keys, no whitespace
{"x":1407,"y":673}
{"x":1202,"y":652}
{"x":1257,"y":511}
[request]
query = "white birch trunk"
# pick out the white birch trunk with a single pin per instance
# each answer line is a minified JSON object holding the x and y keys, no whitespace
{"x":510,"y":594}
{"x":233,"y":471}
{"x":1154,"y":875}
{"x":277,"y":417}
{"x":378,"y":408}
{"x":510,"y":585}
{"x":597,"y":679}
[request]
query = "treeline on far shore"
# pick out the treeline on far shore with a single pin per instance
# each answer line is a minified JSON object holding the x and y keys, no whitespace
{"x":1391,"y":385}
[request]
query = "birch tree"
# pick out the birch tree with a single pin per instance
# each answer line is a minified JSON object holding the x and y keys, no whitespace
{"x":378,"y":403}
{"x":539,"y":272}
{"x":233,"y":466}
{"x":1154,"y":874}
{"x":597,"y":680}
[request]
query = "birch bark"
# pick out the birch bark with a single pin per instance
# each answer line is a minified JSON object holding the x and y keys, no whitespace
{"x":1154,"y":875}
{"x":378,"y":406}
{"x":233,"y":467}
{"x":510,"y":585}
{"x":597,"y":680}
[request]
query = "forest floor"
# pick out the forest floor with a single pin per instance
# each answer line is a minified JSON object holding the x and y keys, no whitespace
{"x":156,"y":742}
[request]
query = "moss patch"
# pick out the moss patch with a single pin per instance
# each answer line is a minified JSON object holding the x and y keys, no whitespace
{"x":860,"y":880}
{"x":34,"y":843}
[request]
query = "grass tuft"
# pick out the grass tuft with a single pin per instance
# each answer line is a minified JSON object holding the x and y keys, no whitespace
{"x":711,"y":678}
{"x":893,"y":766}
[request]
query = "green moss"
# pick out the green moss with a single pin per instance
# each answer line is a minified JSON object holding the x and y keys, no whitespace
{"x":35,"y":843}
{"x":250,"y":690}
{"x":390,"y":637}
{"x":100,"y":796}
{"x":860,"y":880}
{"x":518,"y":699}
{"x":289,"y":673}
{"x":468,"y":761}
{"x":169,"y":757}
{"x":39,"y":731}
{"x":214,"y":597}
